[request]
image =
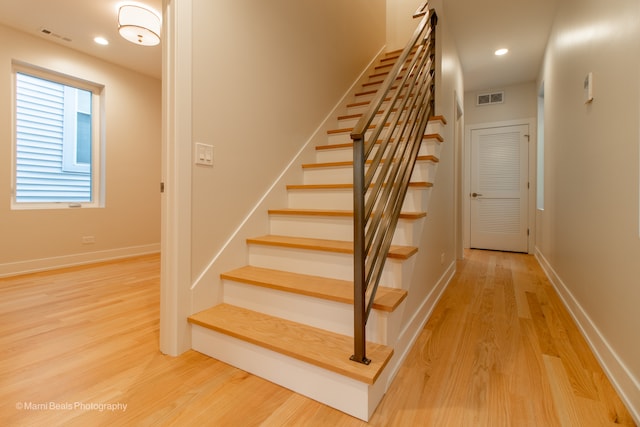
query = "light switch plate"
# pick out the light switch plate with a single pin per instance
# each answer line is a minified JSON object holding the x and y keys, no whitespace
{"x":204,"y":154}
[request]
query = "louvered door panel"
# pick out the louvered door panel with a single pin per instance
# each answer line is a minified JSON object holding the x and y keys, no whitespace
{"x":499,"y":194}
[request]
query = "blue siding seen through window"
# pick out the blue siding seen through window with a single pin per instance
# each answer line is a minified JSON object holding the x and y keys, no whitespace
{"x":40,"y":124}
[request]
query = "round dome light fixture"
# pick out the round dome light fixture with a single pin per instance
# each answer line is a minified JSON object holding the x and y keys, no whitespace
{"x":139,"y":24}
{"x":501,"y":52}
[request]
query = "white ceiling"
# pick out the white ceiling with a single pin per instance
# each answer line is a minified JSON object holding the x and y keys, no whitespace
{"x":478,"y":27}
{"x":81,"y":21}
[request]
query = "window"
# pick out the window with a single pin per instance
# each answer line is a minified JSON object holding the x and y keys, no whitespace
{"x":57,"y":141}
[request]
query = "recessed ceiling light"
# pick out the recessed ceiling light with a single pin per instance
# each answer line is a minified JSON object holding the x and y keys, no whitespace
{"x":501,"y":52}
{"x":101,"y":40}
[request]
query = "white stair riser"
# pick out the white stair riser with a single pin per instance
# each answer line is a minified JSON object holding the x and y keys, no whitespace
{"x":415,"y":200}
{"x":339,"y":138}
{"x":363,"y":95}
{"x":339,"y":392}
{"x":358,"y":109}
{"x":320,"y":263}
{"x":376,"y":76}
{"x":344,"y":154}
{"x":336,"y":228}
{"x":371,"y":84}
{"x":435,"y":127}
{"x":385,"y":67}
{"x":333,"y":175}
{"x":349,"y":122}
{"x":362,"y":109}
{"x":319,"y":313}
{"x":325,"y":198}
{"x":343,"y":137}
{"x":424,"y":171}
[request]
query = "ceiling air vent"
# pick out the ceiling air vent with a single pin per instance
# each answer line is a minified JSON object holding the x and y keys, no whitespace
{"x":490,"y":98}
{"x":47,"y":32}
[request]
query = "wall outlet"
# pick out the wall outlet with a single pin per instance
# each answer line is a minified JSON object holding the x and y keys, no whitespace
{"x":87,"y":240}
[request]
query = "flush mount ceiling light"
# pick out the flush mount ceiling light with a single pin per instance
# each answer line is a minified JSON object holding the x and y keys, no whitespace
{"x":501,"y":52}
{"x":139,"y":24}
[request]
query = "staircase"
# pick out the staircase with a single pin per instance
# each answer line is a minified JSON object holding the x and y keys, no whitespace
{"x":287,"y":316}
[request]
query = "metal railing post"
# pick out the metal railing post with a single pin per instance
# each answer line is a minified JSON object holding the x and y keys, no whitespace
{"x":359,"y":303}
{"x":381,"y":177}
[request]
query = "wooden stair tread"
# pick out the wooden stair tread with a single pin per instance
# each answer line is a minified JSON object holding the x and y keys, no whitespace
{"x":337,"y":246}
{"x":350,"y":129}
{"x":318,"y":347}
{"x":429,"y":158}
{"x":373,"y":91}
{"x":413,"y":184}
{"x":344,"y":145}
{"x":387,"y":299}
{"x":379,"y":82}
{"x":335,"y":213}
{"x":361,"y":103}
{"x":373,"y":126}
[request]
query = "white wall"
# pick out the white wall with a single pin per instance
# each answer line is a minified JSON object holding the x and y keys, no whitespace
{"x":434,"y":263}
{"x":589,"y":238}
{"x":257,"y":81}
{"x":400,"y":23}
{"x":130,"y":221}
{"x":265,"y":75}
{"x":520,"y":102}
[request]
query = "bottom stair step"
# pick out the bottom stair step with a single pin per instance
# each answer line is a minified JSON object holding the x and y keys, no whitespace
{"x":315,"y":346}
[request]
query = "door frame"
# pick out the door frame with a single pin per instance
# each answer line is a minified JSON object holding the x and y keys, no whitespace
{"x":531,"y":197}
{"x":175,"y":245}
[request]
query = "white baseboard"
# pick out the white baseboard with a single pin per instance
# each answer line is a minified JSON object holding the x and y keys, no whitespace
{"x":414,"y":326}
{"x":627,"y":386}
{"x":42,"y":264}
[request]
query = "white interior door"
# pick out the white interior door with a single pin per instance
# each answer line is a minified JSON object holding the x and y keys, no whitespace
{"x":499,"y":199}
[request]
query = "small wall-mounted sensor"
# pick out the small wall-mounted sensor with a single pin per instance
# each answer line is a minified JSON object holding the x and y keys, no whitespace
{"x":588,"y":88}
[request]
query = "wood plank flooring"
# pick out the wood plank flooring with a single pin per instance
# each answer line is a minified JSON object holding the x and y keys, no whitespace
{"x":78,"y":344}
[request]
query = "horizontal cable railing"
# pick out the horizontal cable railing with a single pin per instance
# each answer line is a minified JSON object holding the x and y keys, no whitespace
{"x":387,"y":140}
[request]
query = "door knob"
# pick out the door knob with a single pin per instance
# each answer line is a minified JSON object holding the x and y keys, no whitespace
{"x":475,"y":194}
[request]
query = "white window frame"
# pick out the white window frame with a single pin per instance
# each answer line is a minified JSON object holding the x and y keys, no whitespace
{"x":69,"y":142}
{"x":69,"y":155}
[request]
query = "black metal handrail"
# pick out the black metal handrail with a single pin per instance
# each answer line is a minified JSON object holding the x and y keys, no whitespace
{"x":395,"y":124}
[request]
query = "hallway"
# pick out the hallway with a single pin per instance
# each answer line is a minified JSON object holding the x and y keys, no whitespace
{"x":499,"y":350}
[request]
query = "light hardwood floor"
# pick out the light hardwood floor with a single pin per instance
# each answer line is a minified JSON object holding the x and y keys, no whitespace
{"x":498,"y":350}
